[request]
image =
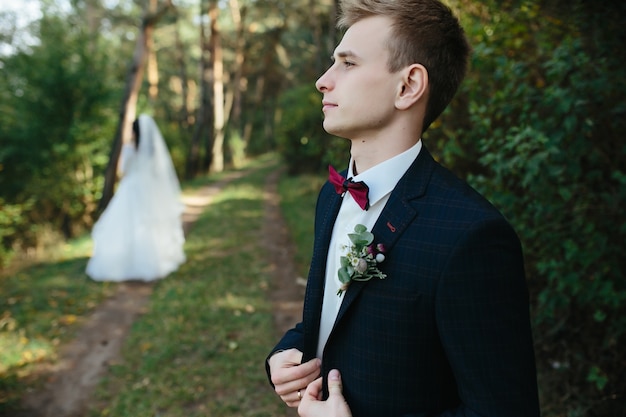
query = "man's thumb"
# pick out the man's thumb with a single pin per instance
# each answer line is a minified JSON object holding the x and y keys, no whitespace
{"x":334,"y":382}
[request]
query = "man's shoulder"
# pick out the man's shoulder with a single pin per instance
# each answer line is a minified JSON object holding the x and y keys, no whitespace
{"x":447,"y":189}
{"x":326,"y":189}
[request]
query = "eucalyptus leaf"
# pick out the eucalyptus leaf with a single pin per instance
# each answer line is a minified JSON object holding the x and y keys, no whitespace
{"x":359,"y":228}
{"x":367,"y":236}
{"x":344,"y":276}
{"x":361,"y":239}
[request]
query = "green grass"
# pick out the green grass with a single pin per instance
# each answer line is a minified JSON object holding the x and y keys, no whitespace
{"x":298,"y":197}
{"x":199,"y":349}
{"x":41,"y":306}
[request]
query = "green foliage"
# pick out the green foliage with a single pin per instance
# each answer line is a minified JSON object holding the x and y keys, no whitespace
{"x":298,"y":195}
{"x":40,"y":308}
{"x":55,"y":135}
{"x":11,"y":216}
{"x":302,"y":141}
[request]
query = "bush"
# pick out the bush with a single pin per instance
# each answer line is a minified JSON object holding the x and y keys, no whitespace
{"x":54,"y":135}
{"x":301,"y":139}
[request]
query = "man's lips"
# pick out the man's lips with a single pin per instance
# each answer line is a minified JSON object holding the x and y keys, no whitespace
{"x":328,"y":105}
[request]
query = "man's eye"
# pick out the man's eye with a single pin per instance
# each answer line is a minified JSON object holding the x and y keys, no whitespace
{"x":348,"y":64}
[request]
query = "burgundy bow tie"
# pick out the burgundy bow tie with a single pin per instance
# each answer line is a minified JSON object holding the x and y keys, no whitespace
{"x":358,"y":190}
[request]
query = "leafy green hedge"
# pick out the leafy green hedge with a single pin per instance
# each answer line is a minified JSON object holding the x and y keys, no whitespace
{"x":55,"y":125}
{"x":302,"y":141}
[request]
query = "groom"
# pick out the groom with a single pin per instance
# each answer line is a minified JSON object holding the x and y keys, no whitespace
{"x":443,"y":329}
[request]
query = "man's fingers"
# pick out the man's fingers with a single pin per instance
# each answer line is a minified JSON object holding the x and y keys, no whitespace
{"x":311,"y":367}
{"x":285,"y":358}
{"x":303,"y":374}
{"x":334,"y":383}
{"x":288,"y":374}
{"x":293,"y":356}
{"x":288,"y":381}
{"x":314,"y":389}
{"x":312,"y":403}
{"x":293,"y":400}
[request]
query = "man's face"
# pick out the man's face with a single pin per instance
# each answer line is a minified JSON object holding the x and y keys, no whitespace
{"x":358,"y":89}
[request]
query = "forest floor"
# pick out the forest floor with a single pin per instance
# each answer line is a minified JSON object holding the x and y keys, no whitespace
{"x":84,"y":361}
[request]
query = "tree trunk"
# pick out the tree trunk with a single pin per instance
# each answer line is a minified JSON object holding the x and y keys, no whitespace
{"x":153,"y":69}
{"x":184,"y":118}
{"x":256,"y":104}
{"x":239,"y":83}
{"x":128,"y":107}
{"x":203,"y":114}
{"x":218,"y":91}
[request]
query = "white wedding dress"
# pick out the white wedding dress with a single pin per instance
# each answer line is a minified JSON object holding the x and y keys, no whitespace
{"x":139,"y":236}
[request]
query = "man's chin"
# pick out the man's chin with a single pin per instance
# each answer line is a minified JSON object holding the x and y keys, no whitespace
{"x":334,"y":130}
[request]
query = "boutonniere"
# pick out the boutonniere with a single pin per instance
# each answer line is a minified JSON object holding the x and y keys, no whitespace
{"x":361,"y":259}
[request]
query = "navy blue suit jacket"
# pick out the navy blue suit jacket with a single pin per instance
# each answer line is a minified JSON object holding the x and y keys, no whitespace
{"x":447,"y":333}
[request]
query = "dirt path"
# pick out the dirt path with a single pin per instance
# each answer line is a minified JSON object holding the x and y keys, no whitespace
{"x":287,"y":289}
{"x":84,"y":361}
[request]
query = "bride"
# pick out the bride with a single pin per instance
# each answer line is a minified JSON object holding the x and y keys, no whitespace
{"x":139,"y":236}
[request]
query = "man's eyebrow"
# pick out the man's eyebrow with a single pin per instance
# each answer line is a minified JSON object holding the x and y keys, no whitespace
{"x":343,"y":54}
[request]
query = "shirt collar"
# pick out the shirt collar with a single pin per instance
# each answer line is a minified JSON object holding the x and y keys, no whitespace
{"x":382,"y":178}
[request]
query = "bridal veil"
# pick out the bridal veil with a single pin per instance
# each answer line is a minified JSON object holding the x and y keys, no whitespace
{"x":139,"y":236}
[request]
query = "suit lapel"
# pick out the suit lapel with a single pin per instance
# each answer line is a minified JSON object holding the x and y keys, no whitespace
{"x":325,"y":220}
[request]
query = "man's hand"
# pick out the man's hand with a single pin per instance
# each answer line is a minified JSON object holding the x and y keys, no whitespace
{"x":290,"y":377}
{"x":335,"y":406}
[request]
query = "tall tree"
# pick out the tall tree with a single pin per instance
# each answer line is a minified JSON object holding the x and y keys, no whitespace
{"x":185,"y":119}
{"x":218,"y":90}
{"x":239,"y":81}
{"x":204,"y":115}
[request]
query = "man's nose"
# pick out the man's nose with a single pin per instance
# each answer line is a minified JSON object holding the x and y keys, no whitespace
{"x":323,"y":82}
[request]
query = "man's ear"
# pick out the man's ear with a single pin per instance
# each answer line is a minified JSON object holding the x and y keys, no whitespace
{"x":413,"y":87}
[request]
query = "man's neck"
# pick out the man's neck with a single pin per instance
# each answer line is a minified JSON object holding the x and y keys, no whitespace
{"x":367,"y":154}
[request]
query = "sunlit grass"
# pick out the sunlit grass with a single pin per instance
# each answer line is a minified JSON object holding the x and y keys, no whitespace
{"x":17,"y":350}
{"x":298,"y":198}
{"x":41,"y":307}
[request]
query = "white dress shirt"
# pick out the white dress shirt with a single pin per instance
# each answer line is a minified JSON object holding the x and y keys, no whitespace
{"x":381,"y":180}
